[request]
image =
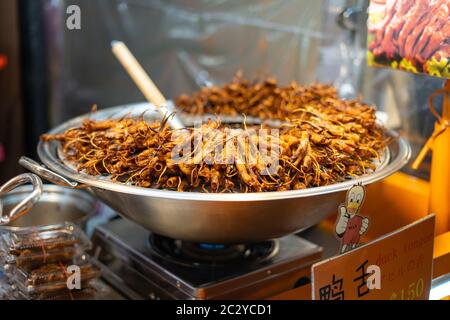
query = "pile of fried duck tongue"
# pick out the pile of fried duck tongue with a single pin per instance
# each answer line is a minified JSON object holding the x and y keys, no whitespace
{"x":323,"y":140}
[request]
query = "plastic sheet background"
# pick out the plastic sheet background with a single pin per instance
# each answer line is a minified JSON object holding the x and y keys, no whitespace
{"x":188,"y":44}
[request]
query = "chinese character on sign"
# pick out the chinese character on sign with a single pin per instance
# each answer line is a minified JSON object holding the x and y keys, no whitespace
{"x":332,"y":291}
{"x":362,"y":288}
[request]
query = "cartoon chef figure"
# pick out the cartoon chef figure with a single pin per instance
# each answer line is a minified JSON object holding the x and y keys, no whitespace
{"x":350,"y":225}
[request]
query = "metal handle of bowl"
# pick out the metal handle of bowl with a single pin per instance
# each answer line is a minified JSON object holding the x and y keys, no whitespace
{"x":26,"y":204}
{"x":47,"y":174}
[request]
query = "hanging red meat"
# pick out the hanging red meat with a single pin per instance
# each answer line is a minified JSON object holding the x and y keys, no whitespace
{"x":412,"y":29}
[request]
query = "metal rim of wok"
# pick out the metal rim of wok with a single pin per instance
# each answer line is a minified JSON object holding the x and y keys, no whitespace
{"x":48,"y":153}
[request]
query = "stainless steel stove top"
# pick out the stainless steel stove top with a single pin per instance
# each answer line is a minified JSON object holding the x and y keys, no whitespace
{"x":145,"y":266}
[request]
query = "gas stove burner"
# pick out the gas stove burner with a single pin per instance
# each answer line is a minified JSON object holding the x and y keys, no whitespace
{"x":141,"y":265}
{"x":211,"y":255}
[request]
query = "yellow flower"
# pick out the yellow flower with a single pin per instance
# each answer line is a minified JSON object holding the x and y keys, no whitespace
{"x":437,"y":68}
{"x":370,"y":58}
{"x":407,"y":65}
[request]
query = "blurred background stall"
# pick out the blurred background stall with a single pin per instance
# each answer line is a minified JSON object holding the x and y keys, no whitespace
{"x":188,"y":44}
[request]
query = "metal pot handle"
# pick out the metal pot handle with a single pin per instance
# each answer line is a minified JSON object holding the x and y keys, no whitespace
{"x":47,"y":174}
{"x":26,"y":204}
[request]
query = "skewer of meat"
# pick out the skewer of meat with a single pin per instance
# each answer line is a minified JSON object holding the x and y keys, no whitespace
{"x":411,"y":41}
{"x":379,"y":29}
{"x":436,"y":40}
{"x":389,"y":45}
{"x":415,"y":16}
{"x":433,"y":35}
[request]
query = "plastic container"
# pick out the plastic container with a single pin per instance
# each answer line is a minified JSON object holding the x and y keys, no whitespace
{"x":29,"y":248}
{"x":52,"y":275}
{"x":50,"y":280}
{"x":89,"y":292}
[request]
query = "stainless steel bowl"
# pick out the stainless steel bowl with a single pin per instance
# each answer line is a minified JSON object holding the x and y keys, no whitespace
{"x":202,"y":217}
{"x":55,"y":205}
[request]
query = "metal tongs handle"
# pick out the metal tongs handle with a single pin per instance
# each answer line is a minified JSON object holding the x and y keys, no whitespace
{"x":26,"y":204}
{"x":145,"y":83}
{"x":47,"y":174}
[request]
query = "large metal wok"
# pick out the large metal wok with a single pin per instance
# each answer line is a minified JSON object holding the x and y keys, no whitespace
{"x":202,"y":217}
